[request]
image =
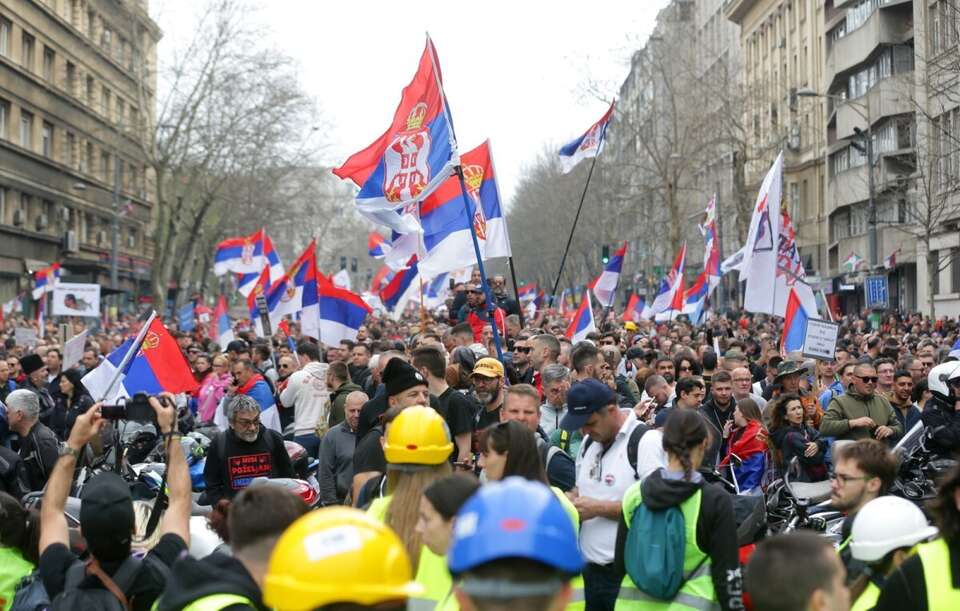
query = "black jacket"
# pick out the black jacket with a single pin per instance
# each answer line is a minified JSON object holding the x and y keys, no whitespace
{"x":715,"y":419}
{"x":943,"y":423}
{"x":227,"y":473}
{"x":13,"y":475}
{"x":39,"y":450}
{"x":192,"y":579}
{"x":46,"y":400}
{"x":716,"y":530}
{"x":65,"y":413}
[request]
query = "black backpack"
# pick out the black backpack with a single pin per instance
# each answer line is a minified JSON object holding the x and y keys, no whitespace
{"x":632,"y":444}
{"x":103,"y":599}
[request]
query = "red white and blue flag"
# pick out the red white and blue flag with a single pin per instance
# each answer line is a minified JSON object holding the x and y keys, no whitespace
{"x":45,"y":279}
{"x":527,"y":292}
{"x":589,"y":144}
{"x":416,"y":153}
{"x":247,"y":255}
{"x":636,"y":308}
{"x":297,"y":293}
{"x":404,"y":286}
{"x":605,"y":285}
{"x":156,"y":365}
{"x":221,"y":331}
{"x":377,"y":245}
{"x":582,"y":323}
{"x":260,"y":287}
{"x":794,"y":324}
{"x":671,"y":293}
{"x":341,"y":313}
{"x":695,"y":297}
{"x":447,"y":239}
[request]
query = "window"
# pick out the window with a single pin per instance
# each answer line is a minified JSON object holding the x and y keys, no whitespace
{"x":46,"y":141}
{"x":104,"y":166}
{"x":105,"y":101}
{"x":71,"y":83}
{"x":27,"y":45}
{"x":24,"y":207}
{"x":90,"y":90}
{"x":69,"y":150}
{"x":26,"y":129}
{"x":121,"y":111}
{"x":87,"y":164}
{"x":4,"y":119}
{"x":91,"y":18}
{"x":3,"y":205}
{"x":793,"y":201}
{"x":49,"y":63}
{"x":106,"y":39}
{"x":955,"y":270}
{"x":68,"y":11}
{"x":5,"y":30}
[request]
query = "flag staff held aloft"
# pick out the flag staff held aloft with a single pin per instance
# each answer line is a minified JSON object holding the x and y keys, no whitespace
{"x":588,"y":145}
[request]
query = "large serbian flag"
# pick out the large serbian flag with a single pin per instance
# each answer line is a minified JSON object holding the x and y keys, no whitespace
{"x":605,"y":285}
{"x":416,"y":153}
{"x":794,"y":324}
{"x":588,"y":144}
{"x":582,"y":323}
{"x":45,"y":279}
{"x":247,"y":255}
{"x":670,"y":295}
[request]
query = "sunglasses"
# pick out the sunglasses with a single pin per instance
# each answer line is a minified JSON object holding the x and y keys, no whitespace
{"x":521,"y":349}
{"x":867,"y":379}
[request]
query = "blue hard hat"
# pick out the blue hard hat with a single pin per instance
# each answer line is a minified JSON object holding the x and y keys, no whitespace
{"x":514,"y":518}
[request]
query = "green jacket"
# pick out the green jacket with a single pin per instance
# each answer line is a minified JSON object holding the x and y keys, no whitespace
{"x":338,"y":398}
{"x":850,"y":406}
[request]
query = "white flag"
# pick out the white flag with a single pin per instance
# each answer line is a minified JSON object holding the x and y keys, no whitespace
{"x":759,"y":267}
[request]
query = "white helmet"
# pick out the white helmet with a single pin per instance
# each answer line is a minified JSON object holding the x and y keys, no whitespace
{"x":885,"y":524}
{"x":938,"y":377}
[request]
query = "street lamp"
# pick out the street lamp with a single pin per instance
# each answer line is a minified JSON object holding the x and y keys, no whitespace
{"x":867,"y":149}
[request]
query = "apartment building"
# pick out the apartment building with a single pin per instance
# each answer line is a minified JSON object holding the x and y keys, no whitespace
{"x":77,"y":89}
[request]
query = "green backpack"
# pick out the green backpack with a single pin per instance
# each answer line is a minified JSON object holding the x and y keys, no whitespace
{"x":655,"y":550}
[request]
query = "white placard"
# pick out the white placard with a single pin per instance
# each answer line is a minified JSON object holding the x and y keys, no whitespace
{"x":820,"y":340}
{"x":73,"y":349}
{"x":72,"y":299}
{"x":25,"y":336}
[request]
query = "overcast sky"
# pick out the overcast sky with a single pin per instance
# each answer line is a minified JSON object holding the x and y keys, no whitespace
{"x":515,"y":71}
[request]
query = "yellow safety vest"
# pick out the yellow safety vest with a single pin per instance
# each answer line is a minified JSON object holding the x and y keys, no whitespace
{"x":432,"y":571}
{"x":697,"y":592}
{"x":868,"y":599}
{"x":212,"y":602}
{"x":577,"y":600}
{"x":938,"y":576}
{"x":13,"y":568}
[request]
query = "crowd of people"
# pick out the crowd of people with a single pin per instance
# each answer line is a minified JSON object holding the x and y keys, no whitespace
{"x":598,"y":475}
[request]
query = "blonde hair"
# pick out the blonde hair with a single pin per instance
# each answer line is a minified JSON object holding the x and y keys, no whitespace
{"x":406,"y":488}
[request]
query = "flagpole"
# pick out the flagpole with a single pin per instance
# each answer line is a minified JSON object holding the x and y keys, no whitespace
{"x":131,"y":351}
{"x":516,"y":291}
{"x":506,"y":230}
{"x":458,"y":170}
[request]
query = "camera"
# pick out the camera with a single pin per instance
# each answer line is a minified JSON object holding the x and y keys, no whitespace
{"x":137,"y":408}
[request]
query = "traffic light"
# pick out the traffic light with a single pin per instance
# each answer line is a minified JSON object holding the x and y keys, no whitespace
{"x":353,"y":264}
{"x":343,"y":263}
{"x":605,"y":254}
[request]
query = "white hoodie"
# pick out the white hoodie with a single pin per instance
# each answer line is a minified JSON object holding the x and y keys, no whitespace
{"x":307,"y":393}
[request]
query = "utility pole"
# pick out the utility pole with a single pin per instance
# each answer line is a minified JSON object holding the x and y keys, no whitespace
{"x":721,"y":301}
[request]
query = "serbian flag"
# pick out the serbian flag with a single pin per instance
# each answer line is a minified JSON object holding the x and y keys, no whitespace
{"x":605,"y":285}
{"x":260,"y":287}
{"x":635,"y":307}
{"x":297,"y":293}
{"x":45,"y":279}
{"x":377,"y":245}
{"x":891,"y":261}
{"x":582,"y":323}
{"x":589,"y":144}
{"x":341,"y":314}
{"x":416,"y":153}
{"x":220,"y":324}
{"x":447,"y":238}
{"x":156,"y":365}
{"x":527,"y":292}
{"x":695,"y":297}
{"x":794,"y":324}
{"x":247,"y":255}
{"x":670,"y":295}
{"x":381,"y":279}
{"x":404,"y":286}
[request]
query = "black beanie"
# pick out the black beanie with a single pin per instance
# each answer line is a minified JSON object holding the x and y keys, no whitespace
{"x":399,"y":375}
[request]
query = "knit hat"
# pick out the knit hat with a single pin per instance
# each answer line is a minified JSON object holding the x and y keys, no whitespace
{"x":31,"y":363}
{"x":399,"y":375}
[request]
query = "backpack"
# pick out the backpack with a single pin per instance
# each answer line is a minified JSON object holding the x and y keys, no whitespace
{"x":30,"y":594}
{"x":632,"y":444}
{"x":110,"y":598}
{"x":655,"y":550}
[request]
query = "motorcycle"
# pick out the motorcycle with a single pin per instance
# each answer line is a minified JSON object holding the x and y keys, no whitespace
{"x":918,"y":467}
{"x":793,"y":505}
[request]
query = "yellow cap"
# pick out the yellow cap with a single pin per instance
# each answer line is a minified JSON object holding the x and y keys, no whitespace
{"x":488,"y":368}
{"x":630,"y":325}
{"x":417,"y":436}
{"x":337,"y":554}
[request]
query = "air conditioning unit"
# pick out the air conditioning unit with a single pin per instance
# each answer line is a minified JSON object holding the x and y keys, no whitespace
{"x":70,"y":242}
{"x":65,"y":214}
{"x":101,"y":238}
{"x":42,"y":222}
{"x":19,"y":217}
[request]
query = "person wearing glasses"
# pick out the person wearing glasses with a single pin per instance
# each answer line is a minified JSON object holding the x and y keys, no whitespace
{"x":244,"y":451}
{"x":861,"y":412}
{"x":862,"y":471}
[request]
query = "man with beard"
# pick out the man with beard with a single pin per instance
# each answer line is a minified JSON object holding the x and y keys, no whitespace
{"x":717,"y":411}
{"x":665,"y":367}
{"x":35,"y":371}
{"x":861,"y":412}
{"x":360,"y":365}
{"x":862,"y":471}
{"x":244,"y":451}
{"x":487,"y":377}
{"x":521,"y":359}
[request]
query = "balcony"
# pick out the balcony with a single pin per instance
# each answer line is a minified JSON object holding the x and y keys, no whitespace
{"x":888,"y":98}
{"x":885,"y":26}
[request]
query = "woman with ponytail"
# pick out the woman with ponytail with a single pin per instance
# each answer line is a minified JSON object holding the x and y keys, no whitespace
{"x":711,"y":567}
{"x":19,"y":539}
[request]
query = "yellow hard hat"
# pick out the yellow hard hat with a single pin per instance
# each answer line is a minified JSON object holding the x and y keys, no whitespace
{"x":337,"y":554}
{"x":630,"y":325}
{"x":417,"y":436}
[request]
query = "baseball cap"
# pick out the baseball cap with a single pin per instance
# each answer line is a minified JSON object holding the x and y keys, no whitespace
{"x":488,"y":368}
{"x":106,"y":516}
{"x":630,"y":326}
{"x":585,"y":397}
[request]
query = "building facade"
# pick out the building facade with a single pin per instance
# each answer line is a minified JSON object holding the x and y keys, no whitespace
{"x":77,"y":88}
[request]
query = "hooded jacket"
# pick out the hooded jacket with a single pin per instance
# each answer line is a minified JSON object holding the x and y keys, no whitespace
{"x":308,"y":395}
{"x":852,"y":405}
{"x":716,"y":529}
{"x":191,"y":579}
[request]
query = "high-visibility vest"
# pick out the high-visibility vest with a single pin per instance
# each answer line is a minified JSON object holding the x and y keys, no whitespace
{"x":697,"y":592}
{"x":868,"y":599}
{"x":432,"y":571}
{"x":577,"y":600}
{"x":938,"y":576}
{"x":13,"y":568}
{"x":216,"y":602}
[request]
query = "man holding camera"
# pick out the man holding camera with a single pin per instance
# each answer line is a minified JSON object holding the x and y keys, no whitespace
{"x":246,"y":450}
